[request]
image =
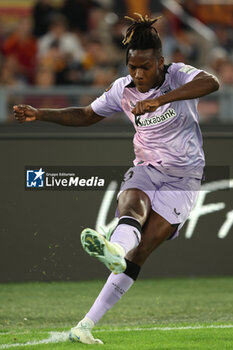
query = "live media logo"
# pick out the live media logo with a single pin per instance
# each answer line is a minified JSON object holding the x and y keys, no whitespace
{"x":64,"y":178}
{"x":35,"y":178}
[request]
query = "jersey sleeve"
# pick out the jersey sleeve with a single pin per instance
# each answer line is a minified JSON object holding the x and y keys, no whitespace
{"x":181,"y":74}
{"x":110,"y":101}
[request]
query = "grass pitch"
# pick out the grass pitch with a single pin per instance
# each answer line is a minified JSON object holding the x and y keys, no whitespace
{"x":165,"y":314}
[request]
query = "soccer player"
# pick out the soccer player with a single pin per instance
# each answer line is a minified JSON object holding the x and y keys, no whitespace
{"x":160,"y":190}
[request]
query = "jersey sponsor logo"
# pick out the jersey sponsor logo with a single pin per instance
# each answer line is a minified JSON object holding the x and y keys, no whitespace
{"x":187,"y":69}
{"x":158,"y":119}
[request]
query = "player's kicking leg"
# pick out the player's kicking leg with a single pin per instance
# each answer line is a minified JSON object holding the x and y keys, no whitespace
{"x":111,"y":254}
{"x":134,"y":207}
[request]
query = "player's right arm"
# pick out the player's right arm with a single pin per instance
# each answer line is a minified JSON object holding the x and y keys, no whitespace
{"x":71,"y":116}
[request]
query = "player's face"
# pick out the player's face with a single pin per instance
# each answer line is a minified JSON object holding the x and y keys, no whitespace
{"x":145,"y":69}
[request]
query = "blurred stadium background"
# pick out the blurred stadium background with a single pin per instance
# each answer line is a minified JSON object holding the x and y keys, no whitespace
{"x":62,"y":53}
{"x":59,"y":53}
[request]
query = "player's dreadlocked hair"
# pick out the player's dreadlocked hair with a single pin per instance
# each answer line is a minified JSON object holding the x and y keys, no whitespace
{"x":141,"y":35}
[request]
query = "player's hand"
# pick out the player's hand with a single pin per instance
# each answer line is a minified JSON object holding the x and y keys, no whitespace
{"x":25,"y":113}
{"x":145,"y":106}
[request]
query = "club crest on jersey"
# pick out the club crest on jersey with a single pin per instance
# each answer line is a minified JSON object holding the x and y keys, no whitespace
{"x":132,"y":104}
{"x":157,"y":119}
{"x":166,"y":90}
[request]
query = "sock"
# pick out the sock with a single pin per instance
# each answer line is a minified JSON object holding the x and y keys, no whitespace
{"x":115,"y":287}
{"x":86,"y":321}
{"x":127,"y":233}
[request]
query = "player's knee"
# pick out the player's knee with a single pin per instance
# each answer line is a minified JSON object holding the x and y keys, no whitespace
{"x":134,"y":203}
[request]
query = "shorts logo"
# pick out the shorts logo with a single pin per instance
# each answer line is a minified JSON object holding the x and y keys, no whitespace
{"x":35,"y":178}
{"x":158,"y":119}
{"x":176,"y":212}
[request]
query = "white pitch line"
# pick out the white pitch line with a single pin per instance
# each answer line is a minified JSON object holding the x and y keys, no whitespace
{"x":23,"y":332}
{"x":58,"y":337}
{"x":55,"y":337}
{"x":163,"y":328}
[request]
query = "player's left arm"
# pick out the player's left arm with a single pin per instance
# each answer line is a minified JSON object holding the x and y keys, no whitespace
{"x":201,"y":85}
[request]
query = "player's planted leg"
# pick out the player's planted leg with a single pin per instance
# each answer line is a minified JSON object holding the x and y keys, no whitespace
{"x":115,"y":287}
{"x":82,"y":332}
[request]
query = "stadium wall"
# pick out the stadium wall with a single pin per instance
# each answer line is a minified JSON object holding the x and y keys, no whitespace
{"x":40,"y":229}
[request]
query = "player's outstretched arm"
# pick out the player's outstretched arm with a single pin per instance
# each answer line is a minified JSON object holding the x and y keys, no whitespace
{"x":203,"y":84}
{"x":71,"y":116}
